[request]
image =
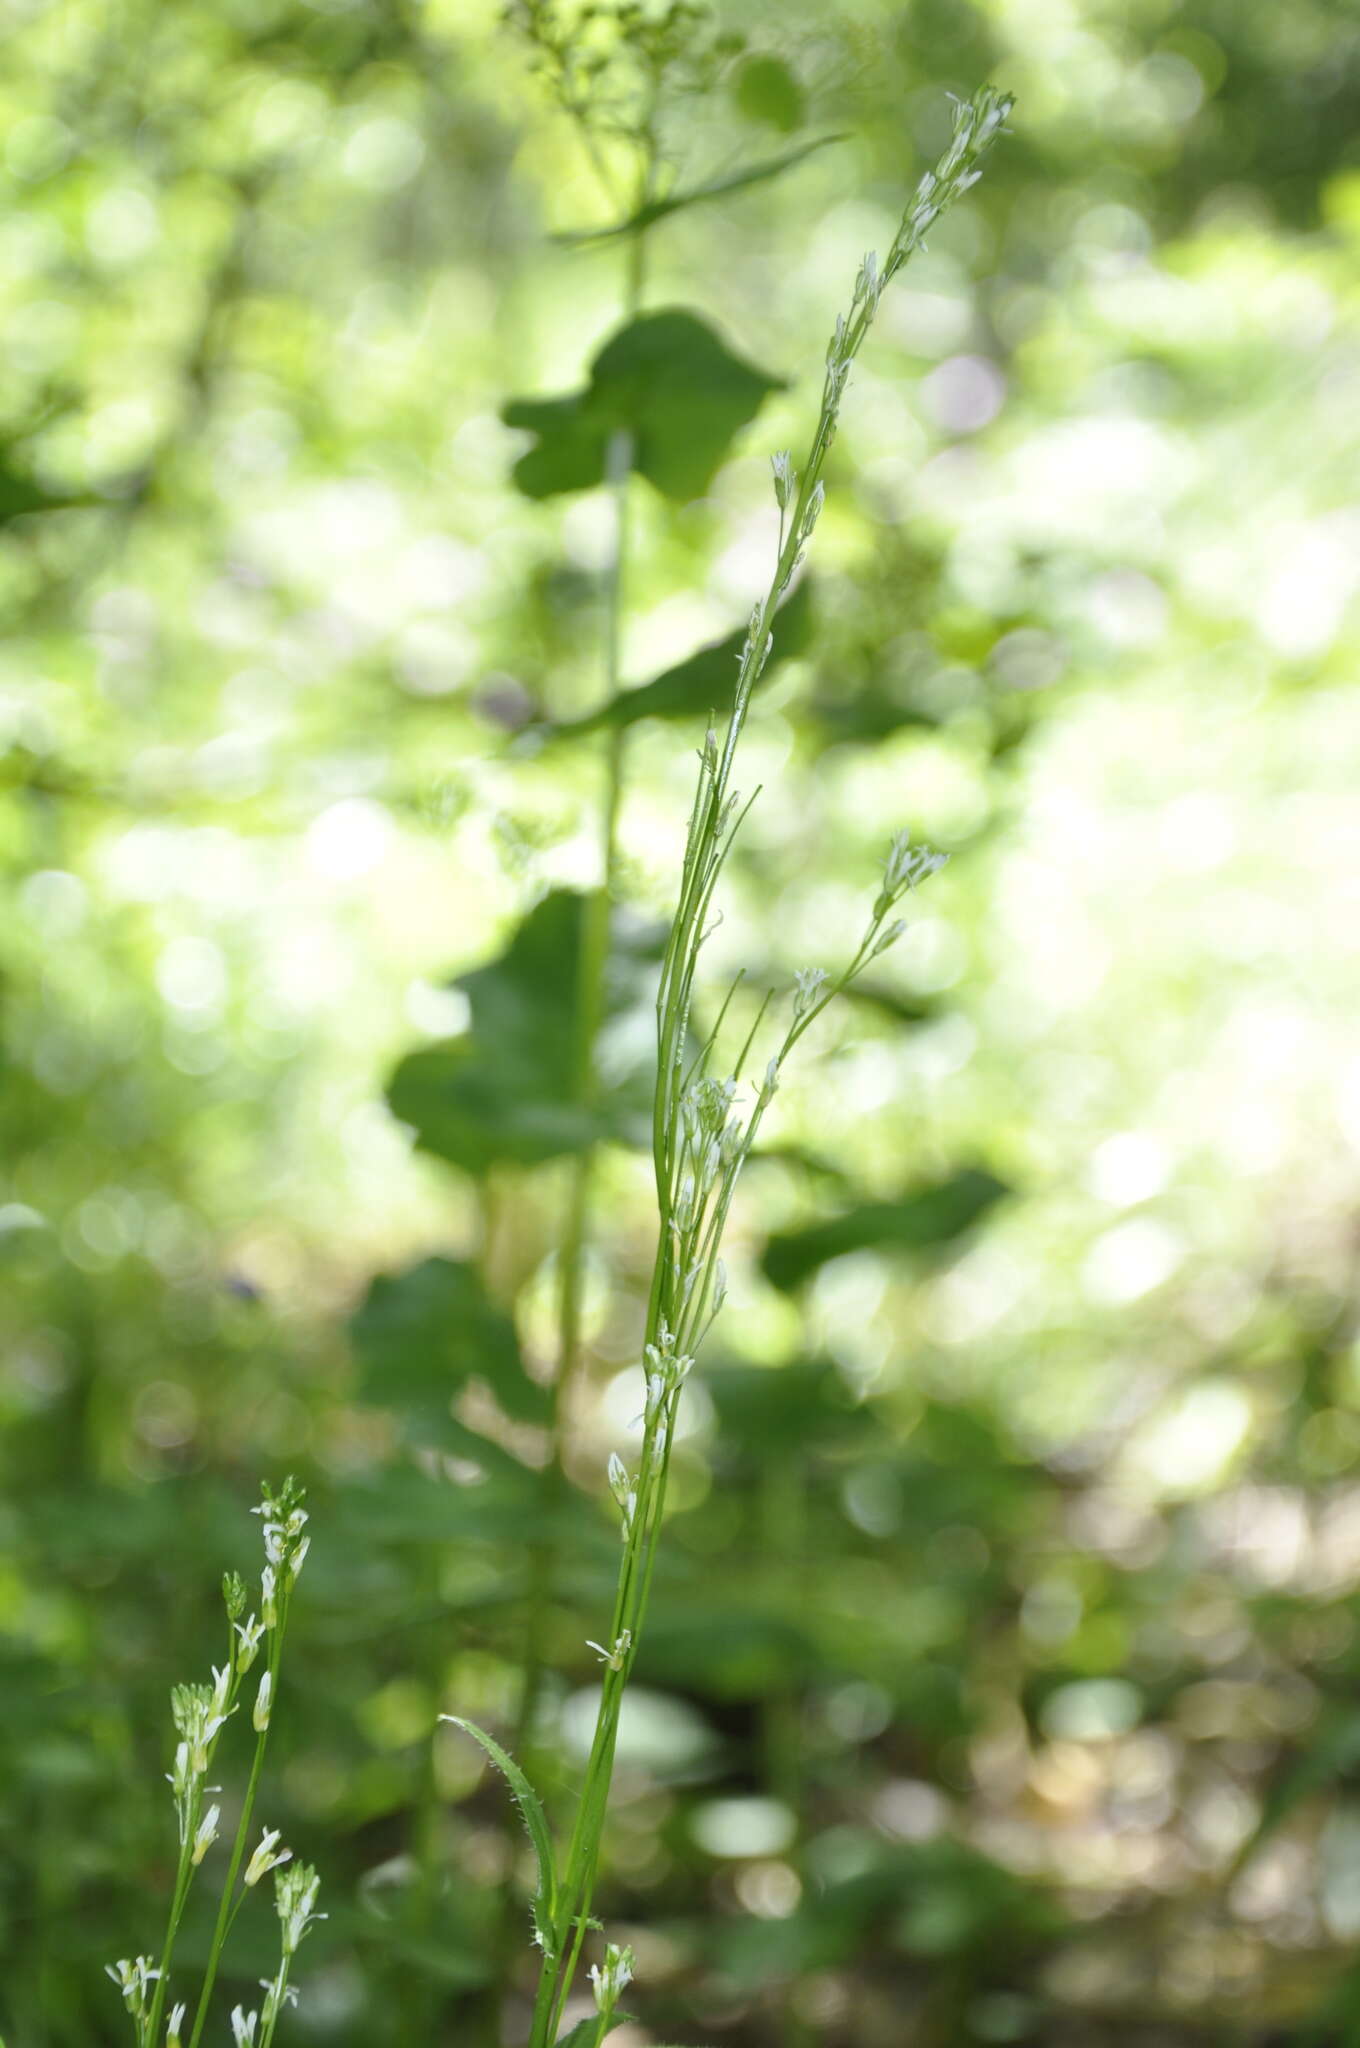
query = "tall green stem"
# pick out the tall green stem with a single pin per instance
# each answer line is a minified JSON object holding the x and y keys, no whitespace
{"x":698,"y":1146}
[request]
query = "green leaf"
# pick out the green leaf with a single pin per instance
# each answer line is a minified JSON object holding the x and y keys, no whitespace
{"x":774,"y":1411}
{"x":930,"y":1217}
{"x":668,"y":381}
{"x":712,"y":188}
{"x":531,"y":1811}
{"x":1333,"y":1752}
{"x":583,"y":2035}
{"x":732,"y":1652}
{"x":20,"y":494}
{"x":510,"y":1089}
{"x":421,"y":1334}
{"x":705,"y":681}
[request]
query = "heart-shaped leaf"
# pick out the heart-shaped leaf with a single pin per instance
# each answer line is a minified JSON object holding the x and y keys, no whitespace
{"x":669,"y":383}
{"x":512,"y":1090}
{"x":924,"y":1220}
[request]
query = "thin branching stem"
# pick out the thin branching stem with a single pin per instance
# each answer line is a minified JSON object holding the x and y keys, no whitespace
{"x":699,"y":1146}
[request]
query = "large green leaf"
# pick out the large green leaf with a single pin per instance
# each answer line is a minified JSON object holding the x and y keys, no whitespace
{"x":421,"y":1334}
{"x":706,"y":680}
{"x":510,"y":1089}
{"x":668,"y":381}
{"x":924,"y":1220}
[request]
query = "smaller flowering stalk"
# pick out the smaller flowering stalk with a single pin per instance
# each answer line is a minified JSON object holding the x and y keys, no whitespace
{"x":286,"y":1542}
{"x":201,"y":1712}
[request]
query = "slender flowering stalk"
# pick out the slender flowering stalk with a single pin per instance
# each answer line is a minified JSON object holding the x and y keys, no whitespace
{"x":285,"y":1547}
{"x":701,"y":1132}
{"x":200,"y":1714}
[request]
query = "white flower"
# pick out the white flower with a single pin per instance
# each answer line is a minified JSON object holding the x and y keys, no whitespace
{"x":243,"y":2027}
{"x":612,"y":1978}
{"x":785,"y":478}
{"x":206,"y":1834}
{"x":816,"y":500}
{"x":182,"y":1777}
{"x":134,"y":1980}
{"x":618,"y":1656}
{"x":173,"y":2025}
{"x":808,"y":984}
{"x":277,"y":1994}
{"x":296,"y":1901}
{"x":265,"y":1857}
{"x":268,"y":1597}
{"x":221,"y":1687}
{"x":262,"y":1702}
{"x":251,"y":1633}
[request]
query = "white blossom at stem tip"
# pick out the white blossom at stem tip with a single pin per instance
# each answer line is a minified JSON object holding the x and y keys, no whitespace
{"x":263,"y":1701}
{"x":243,"y":2027}
{"x":134,"y":1980}
{"x":206,"y":1834}
{"x":808,"y":984}
{"x":266,"y":1858}
{"x":251,"y":1633}
{"x":295,"y":1900}
{"x":611,"y":1979}
{"x":173,"y":2025}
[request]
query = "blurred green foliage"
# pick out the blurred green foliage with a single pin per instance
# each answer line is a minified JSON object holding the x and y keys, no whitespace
{"x":1002,"y":1686}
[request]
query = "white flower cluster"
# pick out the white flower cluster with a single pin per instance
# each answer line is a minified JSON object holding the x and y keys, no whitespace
{"x":610,"y":1979}
{"x":296,"y":1892}
{"x":905,"y":867}
{"x":977,"y":123}
{"x":134,"y":1980}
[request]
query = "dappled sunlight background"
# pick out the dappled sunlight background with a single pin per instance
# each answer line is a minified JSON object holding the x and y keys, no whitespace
{"x":1002,"y":1681}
